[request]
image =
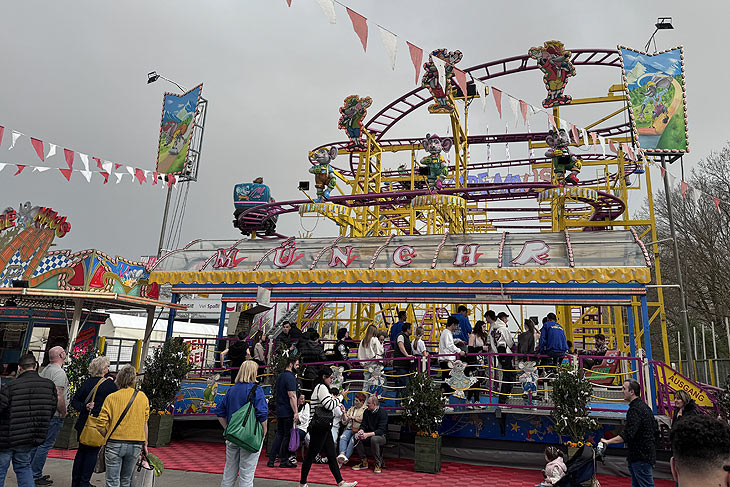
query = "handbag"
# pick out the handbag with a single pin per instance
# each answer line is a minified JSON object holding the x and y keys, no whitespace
{"x":143,"y":474}
{"x":90,"y":435}
{"x":323,"y":417}
{"x":100,"y":466}
{"x":243,"y":429}
{"x":294,"y":440}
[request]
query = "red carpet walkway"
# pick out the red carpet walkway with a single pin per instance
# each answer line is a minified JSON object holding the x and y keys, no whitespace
{"x":210,"y":458}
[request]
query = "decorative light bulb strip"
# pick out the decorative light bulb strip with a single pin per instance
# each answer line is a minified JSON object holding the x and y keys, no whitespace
{"x":438,"y":249}
{"x":643,"y":247}
{"x":570,"y":249}
{"x":501,"y":249}
{"x":324,"y":249}
{"x":377,"y":252}
{"x":269,"y":252}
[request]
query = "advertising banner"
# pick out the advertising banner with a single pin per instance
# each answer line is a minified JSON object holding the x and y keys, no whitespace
{"x":178,"y":114}
{"x":657,"y":100}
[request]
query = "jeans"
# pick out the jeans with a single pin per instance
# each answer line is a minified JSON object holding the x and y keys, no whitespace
{"x":20,"y":456}
{"x":40,"y":453}
{"x":281,"y":439}
{"x":347,"y":442}
{"x":241,"y":463}
{"x":84,"y":463}
{"x":121,"y":458}
{"x":641,"y":474}
{"x":376,"y":445}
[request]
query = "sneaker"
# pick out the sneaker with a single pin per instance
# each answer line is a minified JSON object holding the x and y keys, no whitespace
{"x":378,"y":469}
{"x":363,"y":465}
{"x":293,"y":459}
{"x":347,"y":484}
{"x":341,"y":459}
{"x":43,"y":481}
{"x":287,"y":465}
{"x":270,"y":464}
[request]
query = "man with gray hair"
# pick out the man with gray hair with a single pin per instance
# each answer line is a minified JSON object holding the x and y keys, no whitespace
{"x":55,"y":373}
{"x":373,"y":431}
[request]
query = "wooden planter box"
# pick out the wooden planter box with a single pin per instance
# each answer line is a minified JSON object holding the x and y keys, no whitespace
{"x":160,"y":430}
{"x":68,"y":437}
{"x":427,"y":455}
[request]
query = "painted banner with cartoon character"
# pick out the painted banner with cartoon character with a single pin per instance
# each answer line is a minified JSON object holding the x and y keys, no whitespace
{"x":176,"y":129}
{"x":657,"y":99}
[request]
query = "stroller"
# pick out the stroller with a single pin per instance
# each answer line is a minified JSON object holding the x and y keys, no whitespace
{"x":582,"y":467}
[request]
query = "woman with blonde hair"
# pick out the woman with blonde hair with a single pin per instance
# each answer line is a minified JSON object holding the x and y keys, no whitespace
{"x":240,"y":462}
{"x":89,"y":399}
{"x":370,"y":348}
{"x":123,"y":420}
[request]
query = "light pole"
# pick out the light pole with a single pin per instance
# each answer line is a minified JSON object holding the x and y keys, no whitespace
{"x":152,"y":76}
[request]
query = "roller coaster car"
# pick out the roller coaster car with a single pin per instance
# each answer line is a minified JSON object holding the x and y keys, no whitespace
{"x":251,"y":195}
{"x":608,"y":365}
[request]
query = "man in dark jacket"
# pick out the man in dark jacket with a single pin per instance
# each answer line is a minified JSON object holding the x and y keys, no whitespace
{"x":640,"y":435}
{"x":27,"y":405}
{"x":552,"y":340}
{"x":373,"y":429}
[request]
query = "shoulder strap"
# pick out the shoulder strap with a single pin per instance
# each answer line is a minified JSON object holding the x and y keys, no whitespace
{"x":124,"y":413}
{"x":92,"y":394}
{"x":252,"y":393}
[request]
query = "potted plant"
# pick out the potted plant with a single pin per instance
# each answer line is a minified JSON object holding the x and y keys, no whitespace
{"x":164,"y":371}
{"x":77,"y":372}
{"x":571,"y":394}
{"x":424,"y":411}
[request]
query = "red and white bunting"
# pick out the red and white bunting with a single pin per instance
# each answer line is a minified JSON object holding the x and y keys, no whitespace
{"x":328,"y":7}
{"x":594,"y":136}
{"x":497,"y":99}
{"x":360,"y":26}
{"x":523,"y":110}
{"x":441,"y":68}
{"x":51,"y":150}
{"x":21,"y":167}
{"x":683,"y":187}
{"x":390,"y":43}
{"x":15,"y":136}
{"x":574,"y":131}
{"x":717,"y":203}
{"x":288,"y":2}
{"x":416,"y":57}
{"x":483,"y":91}
{"x":69,"y":155}
{"x":460,"y":78}
{"x":66,"y":173}
{"x":551,"y":121}
{"x":2,"y":129}
{"x":514,"y":105}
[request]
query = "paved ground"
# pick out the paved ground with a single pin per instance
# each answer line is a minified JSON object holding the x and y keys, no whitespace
{"x":60,"y":472}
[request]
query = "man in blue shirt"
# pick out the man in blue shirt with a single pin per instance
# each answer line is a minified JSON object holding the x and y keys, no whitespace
{"x":462,"y":315}
{"x":552,"y":340}
{"x":287,"y":413}
{"x":397,"y":328}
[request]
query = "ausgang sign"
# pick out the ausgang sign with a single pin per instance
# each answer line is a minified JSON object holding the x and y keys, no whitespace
{"x":679,"y":383}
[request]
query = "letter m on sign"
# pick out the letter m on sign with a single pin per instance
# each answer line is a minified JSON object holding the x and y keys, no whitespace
{"x":227,"y":258}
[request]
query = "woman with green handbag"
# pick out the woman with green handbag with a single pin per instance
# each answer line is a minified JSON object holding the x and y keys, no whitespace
{"x":243,"y":413}
{"x":88,"y":401}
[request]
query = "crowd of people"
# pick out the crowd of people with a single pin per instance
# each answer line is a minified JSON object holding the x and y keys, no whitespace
{"x":32,"y":410}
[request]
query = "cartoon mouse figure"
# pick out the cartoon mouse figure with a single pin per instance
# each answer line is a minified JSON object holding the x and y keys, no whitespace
{"x":528,"y":380}
{"x":435,"y":161}
{"x":458,"y":380}
{"x":353,"y":113}
{"x":430,"y":79}
{"x":324,"y":177}
{"x":563,"y":160}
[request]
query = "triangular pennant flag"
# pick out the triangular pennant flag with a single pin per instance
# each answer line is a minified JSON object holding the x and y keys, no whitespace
{"x":612,"y":146}
{"x":514,"y":104}
{"x":119,"y":177}
{"x":584,"y":134}
{"x":631,"y":153}
{"x":66,"y":173}
{"x":497,"y":100}
{"x":38,"y":146}
{"x":86,"y":175}
{"x":390,"y":42}
{"x":441,"y":68}
{"x":16,"y":135}
{"x":664,"y":171}
{"x":40,"y":169}
{"x":416,"y":57}
{"x":51,"y":150}
{"x":2,"y":166}
{"x":117,"y":166}
{"x":288,"y":2}
{"x":154,"y":178}
{"x":328,"y":7}
{"x":523,"y":110}
{"x":482,"y":91}
{"x":21,"y":167}
{"x":2,"y":129}
{"x":460,"y":77}
{"x":564,"y":125}
{"x":594,"y":136}
{"x":105,"y":175}
{"x":171,"y":179}
{"x":683,"y":187}
{"x":139,"y":174}
{"x":360,"y":25}
{"x":717,"y":203}
{"x":69,"y":155}
{"x":84,"y":160}
{"x":130,"y":170}
{"x":695,"y":195}
{"x":506,"y":145}
{"x":551,"y":121}
{"x":574,"y":131}
{"x":107,"y":166}
{"x":602,"y":140}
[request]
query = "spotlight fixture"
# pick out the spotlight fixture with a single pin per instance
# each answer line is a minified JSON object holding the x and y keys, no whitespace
{"x":152,"y":76}
{"x":662,"y":23}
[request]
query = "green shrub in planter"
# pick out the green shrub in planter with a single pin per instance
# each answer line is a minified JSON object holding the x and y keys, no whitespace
{"x":424,"y":412}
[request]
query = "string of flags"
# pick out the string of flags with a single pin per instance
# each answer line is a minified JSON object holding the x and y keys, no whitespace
{"x":89,"y":165}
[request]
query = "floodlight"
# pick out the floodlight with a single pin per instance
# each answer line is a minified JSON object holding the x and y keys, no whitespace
{"x":303,"y":186}
{"x":664,"y":23}
{"x":152,"y":76}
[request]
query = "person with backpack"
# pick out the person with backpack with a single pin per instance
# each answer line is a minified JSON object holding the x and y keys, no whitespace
{"x":241,"y":462}
{"x":323,"y":403}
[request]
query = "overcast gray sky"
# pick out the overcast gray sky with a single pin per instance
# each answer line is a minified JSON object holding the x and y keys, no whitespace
{"x":74,"y":73}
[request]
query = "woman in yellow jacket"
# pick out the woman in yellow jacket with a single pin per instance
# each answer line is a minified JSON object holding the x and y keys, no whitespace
{"x":128,"y":438}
